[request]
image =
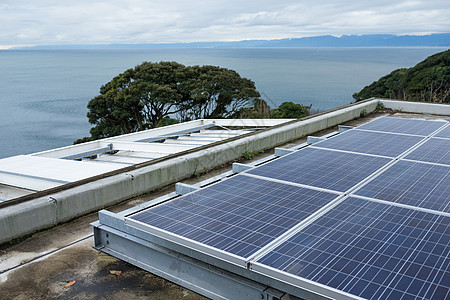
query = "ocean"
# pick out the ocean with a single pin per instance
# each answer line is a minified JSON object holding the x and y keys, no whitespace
{"x":44,"y":93}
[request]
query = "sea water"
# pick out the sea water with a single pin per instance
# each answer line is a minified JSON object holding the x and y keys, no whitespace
{"x":44,"y":93}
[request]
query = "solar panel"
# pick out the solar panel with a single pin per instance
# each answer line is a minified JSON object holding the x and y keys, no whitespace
{"x":371,"y":250}
{"x":362,"y":246}
{"x":377,"y":143}
{"x":444,"y":133}
{"x":238,"y":215}
{"x":322,"y":168}
{"x":433,"y":150}
{"x":412,"y":183}
{"x":402,"y":125}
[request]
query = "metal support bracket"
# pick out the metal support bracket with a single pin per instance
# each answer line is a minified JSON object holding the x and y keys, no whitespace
{"x":238,"y":168}
{"x":343,"y":128}
{"x":314,"y":139}
{"x":273,"y":294}
{"x":198,"y":276}
{"x":183,"y":189}
{"x":282,"y":151}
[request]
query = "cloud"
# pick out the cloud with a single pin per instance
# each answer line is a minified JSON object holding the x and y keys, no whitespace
{"x":37,"y":22}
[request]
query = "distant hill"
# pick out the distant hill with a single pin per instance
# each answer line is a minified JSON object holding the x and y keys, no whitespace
{"x":373,"y":40}
{"x":428,"y":81}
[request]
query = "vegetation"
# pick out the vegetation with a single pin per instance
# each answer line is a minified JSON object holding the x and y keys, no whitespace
{"x":159,"y":94}
{"x":290,"y":110}
{"x":143,"y":97}
{"x":428,"y":81}
{"x":249,"y":154}
{"x":286,"y":110}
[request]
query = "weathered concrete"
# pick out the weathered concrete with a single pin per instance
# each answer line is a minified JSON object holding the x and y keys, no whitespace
{"x":113,"y":231}
{"x":47,"y":211}
{"x":74,"y":258}
{"x":46,"y":277}
{"x":417,"y":107}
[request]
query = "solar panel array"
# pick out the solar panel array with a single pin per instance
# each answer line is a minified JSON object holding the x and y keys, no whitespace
{"x":404,"y":126}
{"x":365,"y":213}
{"x":412,"y":183}
{"x":377,"y":143}
{"x":321,"y":168}
{"x":445,"y":133}
{"x":372,"y":250}
{"x":239,"y":215}
{"x":433,"y":151}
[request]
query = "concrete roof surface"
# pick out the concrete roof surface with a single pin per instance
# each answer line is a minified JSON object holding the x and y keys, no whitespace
{"x":40,"y":266}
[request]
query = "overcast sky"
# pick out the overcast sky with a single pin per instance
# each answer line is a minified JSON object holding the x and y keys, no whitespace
{"x":49,"y":22}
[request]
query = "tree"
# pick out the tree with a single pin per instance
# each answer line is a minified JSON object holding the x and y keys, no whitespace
{"x":290,"y":110}
{"x":429,"y":81}
{"x":260,"y":110}
{"x":215,"y":92}
{"x":156,"y":88}
{"x":286,"y":110}
{"x":140,"y":98}
{"x":115,"y":111}
{"x":136,"y":99}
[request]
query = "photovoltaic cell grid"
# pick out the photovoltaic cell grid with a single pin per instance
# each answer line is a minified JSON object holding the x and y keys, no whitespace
{"x":371,"y":250}
{"x":402,"y":125}
{"x":433,"y":151}
{"x":386,"y":144}
{"x":412,"y":183}
{"x":321,"y":168}
{"x":366,"y":248}
{"x":444,"y":133}
{"x":239,"y":215}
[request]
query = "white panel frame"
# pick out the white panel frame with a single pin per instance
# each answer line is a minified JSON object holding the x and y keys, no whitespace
{"x":188,"y":243}
{"x":151,"y":147}
{"x":302,"y":283}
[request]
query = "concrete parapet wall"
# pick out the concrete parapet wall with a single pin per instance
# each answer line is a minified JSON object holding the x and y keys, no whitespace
{"x":28,"y":217}
{"x":417,"y":107}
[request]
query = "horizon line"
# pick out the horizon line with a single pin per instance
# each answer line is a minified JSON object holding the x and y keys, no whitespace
{"x":164,"y":44}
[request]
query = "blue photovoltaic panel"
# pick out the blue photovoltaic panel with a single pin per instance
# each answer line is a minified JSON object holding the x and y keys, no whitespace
{"x":238,"y":215}
{"x":433,"y":150}
{"x":444,"y":133}
{"x":370,"y":142}
{"x":322,"y":168}
{"x":412,"y":183}
{"x":402,"y":125}
{"x":371,"y":250}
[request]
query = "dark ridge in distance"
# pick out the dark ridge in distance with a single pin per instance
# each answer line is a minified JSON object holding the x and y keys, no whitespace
{"x":370,"y":40}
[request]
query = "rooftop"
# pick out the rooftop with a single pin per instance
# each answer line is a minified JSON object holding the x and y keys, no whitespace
{"x":27,"y":174}
{"x":92,"y":270}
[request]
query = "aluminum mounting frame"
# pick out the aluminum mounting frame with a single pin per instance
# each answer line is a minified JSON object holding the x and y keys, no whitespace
{"x":210,"y":276}
{"x":159,"y":250}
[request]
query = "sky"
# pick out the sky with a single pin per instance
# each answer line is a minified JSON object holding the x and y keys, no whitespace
{"x":65,"y":22}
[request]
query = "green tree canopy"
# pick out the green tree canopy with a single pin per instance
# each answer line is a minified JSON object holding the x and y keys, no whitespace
{"x":290,"y":110}
{"x":215,"y":93}
{"x":286,"y":110}
{"x":429,"y":81}
{"x":142,"y":97}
